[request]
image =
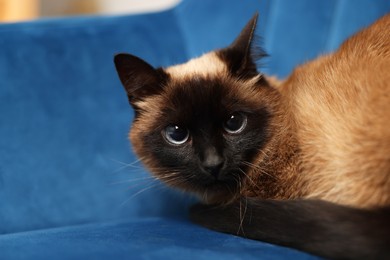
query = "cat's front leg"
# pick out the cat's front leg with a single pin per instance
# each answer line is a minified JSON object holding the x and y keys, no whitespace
{"x":315,"y":226}
{"x":223,"y":218}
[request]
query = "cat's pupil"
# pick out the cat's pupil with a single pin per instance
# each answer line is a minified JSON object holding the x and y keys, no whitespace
{"x":236,"y":123}
{"x":176,"y":135}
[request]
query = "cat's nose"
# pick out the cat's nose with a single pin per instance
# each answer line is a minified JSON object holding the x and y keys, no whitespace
{"x":213,"y":162}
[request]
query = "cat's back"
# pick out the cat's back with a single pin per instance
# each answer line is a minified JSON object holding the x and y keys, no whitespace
{"x":341,"y":107}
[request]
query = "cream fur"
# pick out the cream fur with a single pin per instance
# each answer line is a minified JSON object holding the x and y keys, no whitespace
{"x":341,"y":107}
{"x":206,"y":65}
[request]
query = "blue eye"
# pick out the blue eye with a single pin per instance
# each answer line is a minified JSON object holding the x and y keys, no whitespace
{"x":176,"y":135}
{"x":236,"y":123}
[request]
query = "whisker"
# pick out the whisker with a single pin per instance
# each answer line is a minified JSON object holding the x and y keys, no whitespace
{"x":261,"y":151}
{"x":138,"y":193}
{"x":242,"y":216}
{"x":230,"y":190}
{"x":239,"y":227}
{"x":260,"y":169}
{"x":249,"y":178}
{"x":134,"y":180}
{"x":123,"y":163}
{"x":127,"y":165}
{"x":140,"y":184}
{"x":149,"y":179}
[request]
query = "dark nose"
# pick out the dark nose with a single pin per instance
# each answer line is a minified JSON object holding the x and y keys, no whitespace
{"x":213,"y":162}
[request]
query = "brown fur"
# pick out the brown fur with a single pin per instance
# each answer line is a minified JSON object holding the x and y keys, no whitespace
{"x":328,"y":134}
{"x":340,"y":105}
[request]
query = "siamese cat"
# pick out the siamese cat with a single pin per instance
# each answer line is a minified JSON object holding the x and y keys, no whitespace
{"x":303,"y":162}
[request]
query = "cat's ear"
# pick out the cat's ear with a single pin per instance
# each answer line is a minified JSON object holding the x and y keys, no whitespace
{"x":242,"y":54}
{"x":138,"y":77}
{"x":244,"y":40}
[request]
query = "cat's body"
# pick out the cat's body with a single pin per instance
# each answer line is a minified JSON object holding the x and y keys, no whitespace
{"x":267,"y":155}
{"x":339,"y":109}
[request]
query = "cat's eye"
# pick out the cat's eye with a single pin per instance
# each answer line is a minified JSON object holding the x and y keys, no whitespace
{"x":176,"y":134}
{"x":236,"y":123}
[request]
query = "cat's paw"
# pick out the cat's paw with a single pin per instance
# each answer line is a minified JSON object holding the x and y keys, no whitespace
{"x":199,"y":214}
{"x":216,"y":217}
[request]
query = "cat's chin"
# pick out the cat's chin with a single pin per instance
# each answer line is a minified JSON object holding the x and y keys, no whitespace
{"x":218,"y":194}
{"x":209,"y":190}
{"x":214,"y":199}
{"x":211,"y":193}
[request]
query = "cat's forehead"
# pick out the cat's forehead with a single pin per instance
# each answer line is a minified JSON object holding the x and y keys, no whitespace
{"x":208,"y":96}
{"x":206,"y":65}
{"x":200,"y":98}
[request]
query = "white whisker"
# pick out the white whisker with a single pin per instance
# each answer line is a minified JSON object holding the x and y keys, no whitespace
{"x":249,"y":178}
{"x":127,"y":165}
{"x":147,"y":178}
{"x":138,"y":193}
{"x":260,"y":169}
{"x":242,"y":216}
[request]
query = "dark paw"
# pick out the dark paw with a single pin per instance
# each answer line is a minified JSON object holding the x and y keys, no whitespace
{"x":216,"y":217}
{"x":222,"y":218}
{"x":199,"y":213}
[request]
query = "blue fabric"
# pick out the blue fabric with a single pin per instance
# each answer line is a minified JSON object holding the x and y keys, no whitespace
{"x":64,"y":154}
{"x":151,"y":238}
{"x":65,"y":117}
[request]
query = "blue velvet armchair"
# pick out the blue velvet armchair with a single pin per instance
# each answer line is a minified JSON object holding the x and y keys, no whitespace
{"x":70,"y":186}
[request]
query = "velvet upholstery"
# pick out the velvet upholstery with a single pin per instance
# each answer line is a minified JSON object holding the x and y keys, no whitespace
{"x":67,"y":188}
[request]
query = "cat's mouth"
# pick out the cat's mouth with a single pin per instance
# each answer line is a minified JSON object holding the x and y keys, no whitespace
{"x":211,"y":189}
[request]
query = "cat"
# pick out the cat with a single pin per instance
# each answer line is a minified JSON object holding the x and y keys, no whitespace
{"x":303,"y":162}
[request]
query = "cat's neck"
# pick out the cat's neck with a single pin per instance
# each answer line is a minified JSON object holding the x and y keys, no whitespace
{"x":275,"y":174}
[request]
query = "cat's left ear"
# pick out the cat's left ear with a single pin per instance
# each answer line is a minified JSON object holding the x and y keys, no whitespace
{"x":138,"y":77}
{"x":242,"y":54}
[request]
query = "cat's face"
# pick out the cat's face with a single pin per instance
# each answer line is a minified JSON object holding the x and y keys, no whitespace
{"x":200,"y":125}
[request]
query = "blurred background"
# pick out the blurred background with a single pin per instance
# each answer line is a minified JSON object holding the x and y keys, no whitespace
{"x":22,"y":10}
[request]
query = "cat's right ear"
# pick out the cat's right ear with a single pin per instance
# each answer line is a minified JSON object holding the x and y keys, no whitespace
{"x":138,"y":77}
